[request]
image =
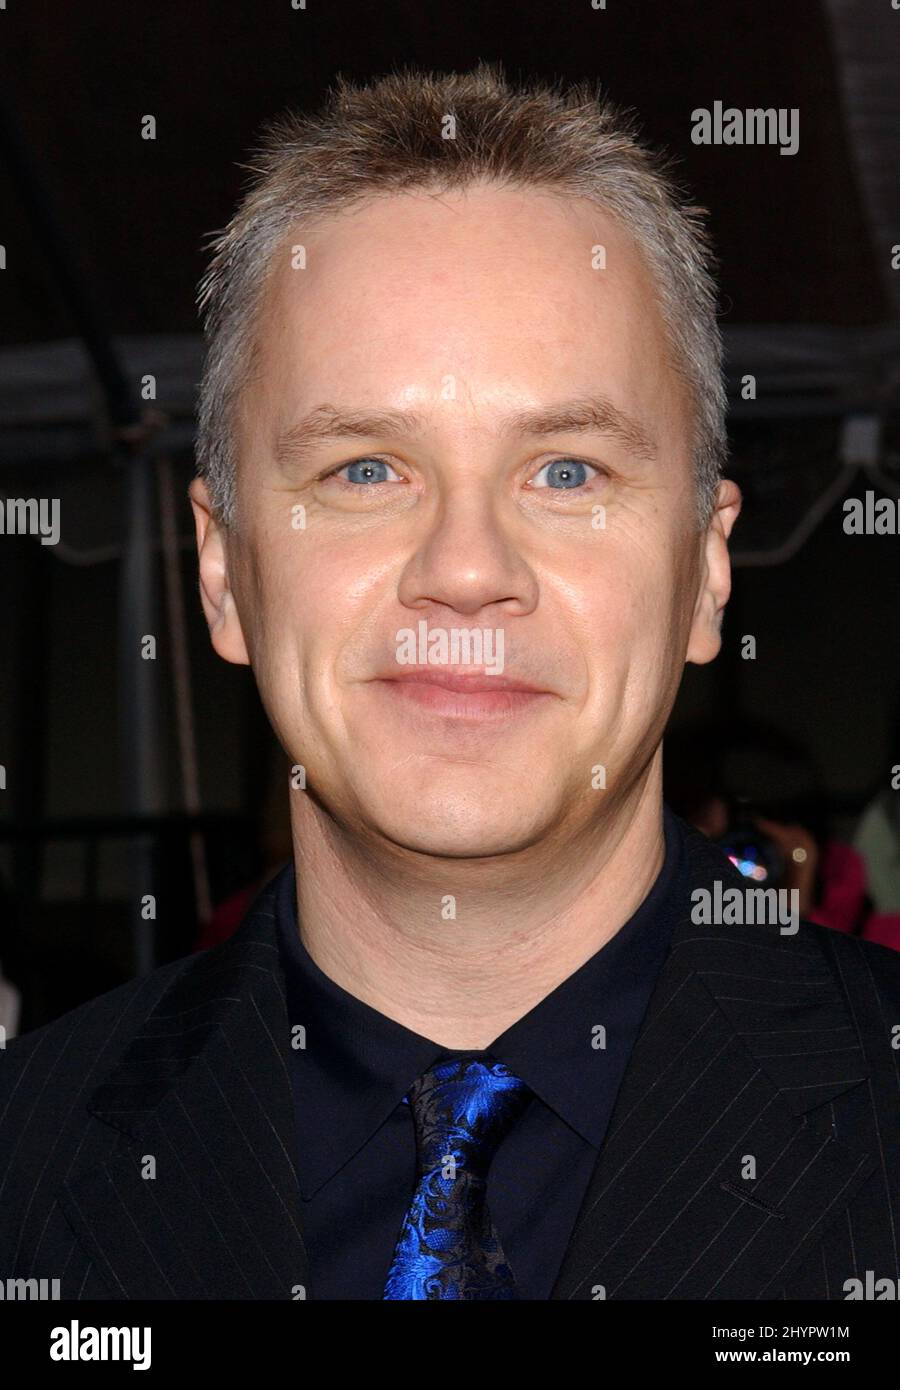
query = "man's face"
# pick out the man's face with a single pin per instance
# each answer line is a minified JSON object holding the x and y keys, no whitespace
{"x":573,"y":554}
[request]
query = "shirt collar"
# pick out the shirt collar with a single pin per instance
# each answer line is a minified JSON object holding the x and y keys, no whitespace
{"x":353,"y":1064}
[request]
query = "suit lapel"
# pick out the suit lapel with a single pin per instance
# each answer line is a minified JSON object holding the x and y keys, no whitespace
{"x":199,"y":1197}
{"x":746,"y":1037}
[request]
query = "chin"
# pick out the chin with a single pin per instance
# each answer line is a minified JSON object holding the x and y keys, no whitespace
{"x":440,"y":846}
{"x":459,"y":833}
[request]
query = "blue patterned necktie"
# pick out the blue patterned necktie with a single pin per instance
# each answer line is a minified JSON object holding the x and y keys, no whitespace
{"x":448,"y":1247}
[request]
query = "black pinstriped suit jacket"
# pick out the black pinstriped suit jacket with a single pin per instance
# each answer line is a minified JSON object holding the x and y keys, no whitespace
{"x":755,"y":1046}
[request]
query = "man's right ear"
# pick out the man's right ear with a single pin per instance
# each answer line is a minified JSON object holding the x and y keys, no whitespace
{"x":216,"y":596}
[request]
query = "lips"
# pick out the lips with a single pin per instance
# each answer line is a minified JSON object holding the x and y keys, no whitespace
{"x":470,"y":684}
{"x":452,"y":695}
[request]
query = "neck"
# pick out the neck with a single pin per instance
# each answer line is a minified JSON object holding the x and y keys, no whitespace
{"x":379,"y":920}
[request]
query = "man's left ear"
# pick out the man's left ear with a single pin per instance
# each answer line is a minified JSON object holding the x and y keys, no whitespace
{"x":705,"y":640}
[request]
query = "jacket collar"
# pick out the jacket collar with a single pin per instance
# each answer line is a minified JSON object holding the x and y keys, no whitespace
{"x":359,"y":1086}
{"x":746,"y":1038}
{"x":199,"y":1198}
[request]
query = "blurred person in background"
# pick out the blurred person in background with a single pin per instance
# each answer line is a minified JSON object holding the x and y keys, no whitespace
{"x":877,"y":839}
{"x":756,"y":792}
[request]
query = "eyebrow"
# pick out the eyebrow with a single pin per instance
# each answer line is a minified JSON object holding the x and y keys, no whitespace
{"x":589,"y":414}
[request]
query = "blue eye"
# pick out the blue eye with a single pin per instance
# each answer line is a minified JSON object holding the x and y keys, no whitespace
{"x":367,"y":470}
{"x":565,"y":473}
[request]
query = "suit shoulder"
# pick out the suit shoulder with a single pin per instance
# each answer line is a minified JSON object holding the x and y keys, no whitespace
{"x":48,"y":1134}
{"x":878,"y":965}
{"x":60,"y":1053}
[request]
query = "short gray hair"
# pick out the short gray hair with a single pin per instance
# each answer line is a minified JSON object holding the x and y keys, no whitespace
{"x":386,"y":137}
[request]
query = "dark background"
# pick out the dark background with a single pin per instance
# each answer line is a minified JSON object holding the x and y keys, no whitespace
{"x":809,"y":306}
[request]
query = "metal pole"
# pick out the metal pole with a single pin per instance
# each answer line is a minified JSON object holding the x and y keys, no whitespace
{"x":138,"y":702}
{"x":139,"y":749}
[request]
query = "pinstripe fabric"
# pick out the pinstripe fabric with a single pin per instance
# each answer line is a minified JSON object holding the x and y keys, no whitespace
{"x":759,"y":1053}
{"x":187,"y":1071}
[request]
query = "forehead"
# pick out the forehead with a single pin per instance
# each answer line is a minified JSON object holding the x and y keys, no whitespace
{"x":514,"y":295}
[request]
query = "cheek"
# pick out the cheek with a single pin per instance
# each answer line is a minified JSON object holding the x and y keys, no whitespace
{"x":633,"y":621}
{"x":631,"y":591}
{"x":271,"y":607}
{"x":317,"y":606}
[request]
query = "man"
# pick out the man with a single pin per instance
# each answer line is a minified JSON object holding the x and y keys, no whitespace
{"x":505,"y":1027}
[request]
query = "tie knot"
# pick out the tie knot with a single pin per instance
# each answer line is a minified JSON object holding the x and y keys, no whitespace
{"x":461,"y":1109}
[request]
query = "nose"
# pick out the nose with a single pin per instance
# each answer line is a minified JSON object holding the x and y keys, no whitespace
{"x":469,"y":560}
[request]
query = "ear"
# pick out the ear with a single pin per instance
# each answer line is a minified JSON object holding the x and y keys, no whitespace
{"x":216,"y":595}
{"x":705,"y":640}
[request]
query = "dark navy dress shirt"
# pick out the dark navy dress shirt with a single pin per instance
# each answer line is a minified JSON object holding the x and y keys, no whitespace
{"x":356,"y":1151}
